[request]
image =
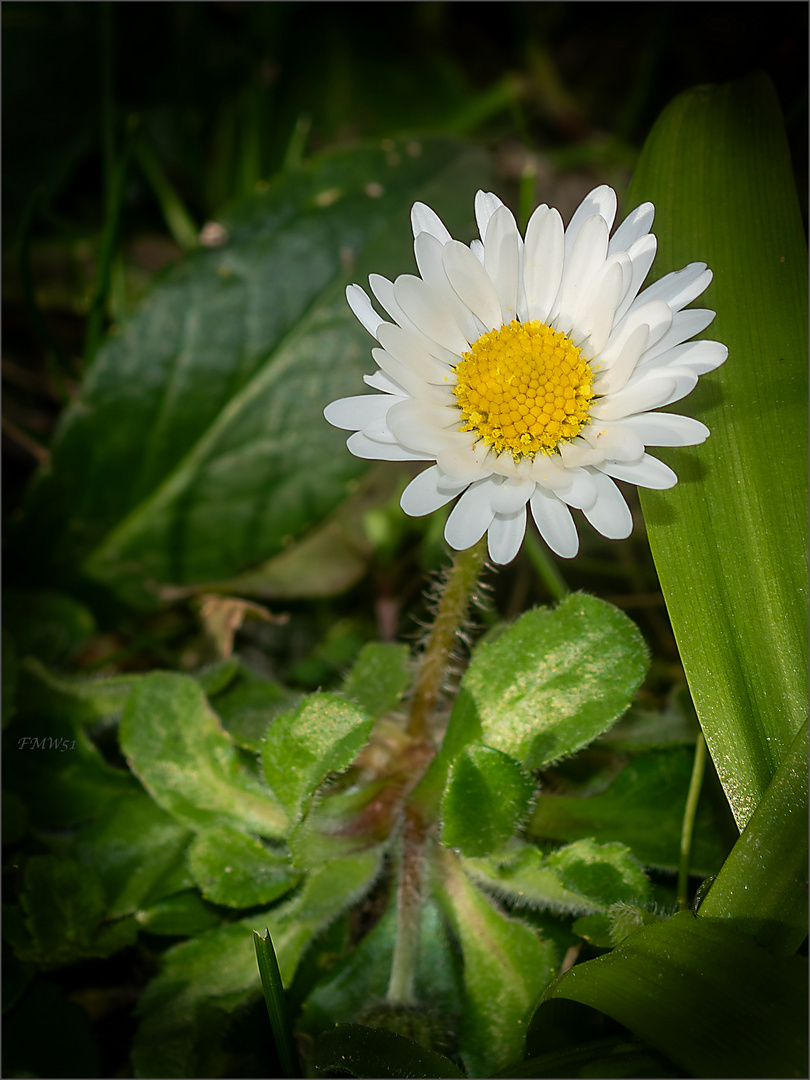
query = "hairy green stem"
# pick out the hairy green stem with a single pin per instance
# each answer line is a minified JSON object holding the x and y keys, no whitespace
{"x":454,"y":602}
{"x":456,"y":595}
{"x":402,"y":986}
{"x":687,"y":828}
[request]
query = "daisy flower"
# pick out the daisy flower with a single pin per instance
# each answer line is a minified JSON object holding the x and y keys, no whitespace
{"x":528,"y":371}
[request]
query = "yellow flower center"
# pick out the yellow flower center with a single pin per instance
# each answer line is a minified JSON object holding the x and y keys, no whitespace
{"x":524,"y":388}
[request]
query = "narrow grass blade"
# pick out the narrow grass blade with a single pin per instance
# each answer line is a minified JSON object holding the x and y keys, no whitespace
{"x":276,"y":1005}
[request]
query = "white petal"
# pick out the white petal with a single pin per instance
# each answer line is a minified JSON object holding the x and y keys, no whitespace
{"x":486,"y":203}
{"x":472,"y":283}
{"x":543,"y":258}
{"x":361,"y":306}
{"x":685,"y":383}
{"x":412,"y":382}
{"x":614,"y":378}
{"x":601,"y":201}
{"x":380,"y":381}
{"x":426,"y":311}
{"x":464,"y":463}
{"x":409,"y":350}
{"x":549,"y":470}
{"x":423,"y":426}
{"x":667,"y":429}
{"x":699,"y":356}
{"x":471,"y":516}
{"x":642,"y":255}
{"x":423,"y":219}
{"x":587,"y":255}
{"x":555,"y":524}
{"x":511,"y":495}
{"x":706,"y":356}
{"x":379,"y":431}
{"x":637,"y":224}
{"x":353,"y":413}
{"x":502,"y":260}
{"x":506,"y":535}
{"x":428,"y":252}
{"x":616,"y":441}
{"x":596,"y":312}
{"x":648,"y":473}
{"x":577,"y":454}
{"x":650,"y":393}
{"x":656,"y":316}
{"x":685,"y":324}
{"x":363,"y":447}
{"x":424,"y":495}
{"x":680,"y":287}
{"x":610,"y":514}
{"x":582,"y":491}
{"x":383,"y":289}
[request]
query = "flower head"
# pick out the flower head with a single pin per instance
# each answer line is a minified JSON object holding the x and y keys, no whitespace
{"x":527,"y":370}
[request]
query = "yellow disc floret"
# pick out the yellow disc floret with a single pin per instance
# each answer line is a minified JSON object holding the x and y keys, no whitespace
{"x":524,"y":389}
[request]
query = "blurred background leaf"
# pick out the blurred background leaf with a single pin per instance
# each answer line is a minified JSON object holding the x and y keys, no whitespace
{"x":209,"y":401}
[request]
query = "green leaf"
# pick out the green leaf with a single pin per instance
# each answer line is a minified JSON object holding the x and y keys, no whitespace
{"x":332,"y":556}
{"x":186,"y":1007}
{"x":64,"y":908}
{"x":379,"y":678}
{"x":583,"y":877}
{"x":137,"y":849}
{"x":543,"y":688}
{"x":370,"y":1052}
{"x":237,"y":870}
{"x":703,"y":994}
{"x":643,"y":808}
{"x":639,"y":731}
{"x":210,"y":399}
{"x":82,"y":700}
{"x":344,"y":821}
{"x":613,"y":1057}
{"x":506,"y":967}
{"x":249,"y":704}
{"x":48,"y":625}
{"x":57,"y":772}
{"x":487,"y":798}
{"x":185,"y":914}
{"x":176,"y":746}
{"x":762,"y":886}
{"x":730,"y":541}
{"x":324,"y":734}
{"x":555,"y":679}
{"x":219,"y":676}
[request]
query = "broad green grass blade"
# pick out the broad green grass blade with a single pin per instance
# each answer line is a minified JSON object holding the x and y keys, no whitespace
{"x":730,"y":541}
{"x":704,"y":995}
{"x":763,"y":883}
